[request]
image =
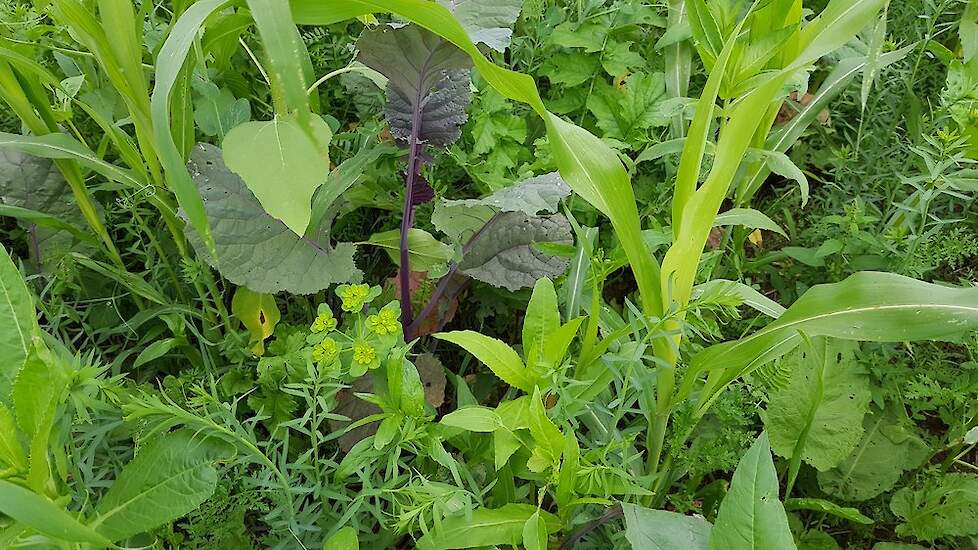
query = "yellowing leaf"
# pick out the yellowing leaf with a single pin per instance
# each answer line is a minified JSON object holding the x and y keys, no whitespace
{"x":258,"y":313}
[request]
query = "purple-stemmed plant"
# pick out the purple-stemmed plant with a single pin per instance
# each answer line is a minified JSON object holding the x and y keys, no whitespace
{"x":427,"y":94}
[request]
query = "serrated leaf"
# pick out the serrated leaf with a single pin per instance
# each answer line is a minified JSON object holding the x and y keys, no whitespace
{"x":624,"y":112}
{"x":818,"y":415}
{"x":889,"y":447}
{"x":17,"y":316}
{"x":569,"y":68}
{"x":281,"y":165}
{"x":542,"y":318}
{"x":867,"y":306}
{"x":648,"y":529}
{"x":943,"y":507}
{"x":488,"y":22}
{"x":11,"y":451}
{"x":254,"y":249}
{"x":171,"y":476}
{"x":425,"y":73}
{"x":38,"y":392}
{"x":504,"y":254}
{"x":751,"y":516}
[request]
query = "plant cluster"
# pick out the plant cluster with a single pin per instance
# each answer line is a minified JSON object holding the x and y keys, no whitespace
{"x":305,"y":274}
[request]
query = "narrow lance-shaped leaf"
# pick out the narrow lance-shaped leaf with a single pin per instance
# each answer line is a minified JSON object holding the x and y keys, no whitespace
{"x":171,"y":58}
{"x":751,"y":516}
{"x":484,"y":527}
{"x":44,"y":516}
{"x":501,"y":359}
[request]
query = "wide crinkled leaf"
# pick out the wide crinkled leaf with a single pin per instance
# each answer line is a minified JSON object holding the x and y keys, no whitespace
{"x":944,"y":507}
{"x":648,"y":529}
{"x":171,"y":476}
{"x":36,"y":184}
{"x":488,"y":22}
{"x":443,"y":112}
{"x":18,"y":322}
{"x":424,"y":73}
{"x":281,"y":165}
{"x":254,"y":249}
{"x":531,"y":196}
{"x":889,"y":447}
{"x":819,"y":413}
{"x":461,"y":219}
{"x":504,"y":254}
{"x":484,"y":527}
{"x":751,"y":516}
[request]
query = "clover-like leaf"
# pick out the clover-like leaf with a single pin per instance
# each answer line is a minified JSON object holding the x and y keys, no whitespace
{"x":255,"y":249}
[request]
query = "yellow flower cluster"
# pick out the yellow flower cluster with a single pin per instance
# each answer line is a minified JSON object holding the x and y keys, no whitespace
{"x":364,"y":353}
{"x":354,"y":296}
{"x":325,"y":322}
{"x":325,"y":351}
{"x":385,"y":322}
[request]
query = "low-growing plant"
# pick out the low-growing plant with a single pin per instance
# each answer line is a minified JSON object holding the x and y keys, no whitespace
{"x":272,"y":364}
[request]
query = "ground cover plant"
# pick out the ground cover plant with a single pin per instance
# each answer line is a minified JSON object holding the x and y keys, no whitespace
{"x":437,"y":274}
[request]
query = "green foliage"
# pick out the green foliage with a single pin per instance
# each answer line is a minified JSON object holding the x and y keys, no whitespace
{"x":603,"y":226}
{"x":751,"y":515}
{"x":817,"y":416}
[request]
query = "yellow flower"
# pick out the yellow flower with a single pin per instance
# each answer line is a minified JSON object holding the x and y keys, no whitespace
{"x":385,"y":322}
{"x":364,"y":353}
{"x":325,"y":351}
{"x":354,"y":296}
{"x":325,"y":322}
